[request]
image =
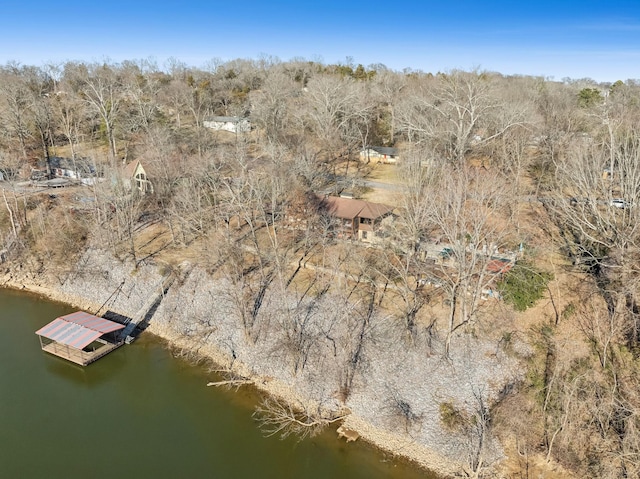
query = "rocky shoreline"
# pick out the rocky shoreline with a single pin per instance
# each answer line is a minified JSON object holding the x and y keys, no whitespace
{"x":193,"y":316}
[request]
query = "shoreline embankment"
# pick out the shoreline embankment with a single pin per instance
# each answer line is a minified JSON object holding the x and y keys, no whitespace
{"x":103,"y":283}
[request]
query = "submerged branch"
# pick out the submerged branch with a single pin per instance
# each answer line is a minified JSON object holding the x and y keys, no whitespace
{"x":285,"y":419}
{"x":230,"y":382}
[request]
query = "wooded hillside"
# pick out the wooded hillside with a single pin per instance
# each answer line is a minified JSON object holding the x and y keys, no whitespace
{"x":515,"y":209}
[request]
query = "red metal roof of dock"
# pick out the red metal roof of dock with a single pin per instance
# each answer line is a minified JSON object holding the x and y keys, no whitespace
{"x":78,"y":329}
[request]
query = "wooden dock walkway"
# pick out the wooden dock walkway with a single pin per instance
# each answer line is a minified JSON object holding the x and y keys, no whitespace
{"x":147,"y":307}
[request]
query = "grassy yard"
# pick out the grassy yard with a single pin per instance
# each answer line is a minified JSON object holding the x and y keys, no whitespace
{"x":385,"y":174}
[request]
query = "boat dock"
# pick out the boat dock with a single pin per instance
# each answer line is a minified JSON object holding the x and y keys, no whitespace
{"x":80,"y":337}
{"x":83,"y":338}
{"x":79,"y":356}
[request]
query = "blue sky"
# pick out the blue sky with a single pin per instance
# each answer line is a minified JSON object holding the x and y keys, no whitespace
{"x":576,"y":39}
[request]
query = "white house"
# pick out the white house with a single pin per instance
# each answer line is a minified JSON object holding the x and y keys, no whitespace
{"x":234,"y":124}
{"x":379,"y":154}
{"x":81,"y":169}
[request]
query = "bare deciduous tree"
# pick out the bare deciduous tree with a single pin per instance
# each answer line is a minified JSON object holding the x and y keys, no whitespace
{"x":102,"y":90}
{"x":284,"y":419}
{"x":457,"y":112}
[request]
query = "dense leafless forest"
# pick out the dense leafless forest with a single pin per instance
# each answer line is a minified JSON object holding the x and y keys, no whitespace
{"x":539,"y":177}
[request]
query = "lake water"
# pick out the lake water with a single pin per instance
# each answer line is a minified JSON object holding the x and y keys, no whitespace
{"x":141,"y":413}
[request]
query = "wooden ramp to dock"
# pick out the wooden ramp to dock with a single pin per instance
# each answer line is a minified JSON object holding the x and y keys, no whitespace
{"x":146,"y":308}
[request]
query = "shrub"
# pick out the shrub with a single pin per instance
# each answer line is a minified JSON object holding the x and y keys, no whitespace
{"x":523,"y":285}
{"x":450,"y":416}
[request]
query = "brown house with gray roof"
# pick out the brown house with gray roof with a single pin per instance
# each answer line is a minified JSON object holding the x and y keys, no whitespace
{"x":354,"y":219}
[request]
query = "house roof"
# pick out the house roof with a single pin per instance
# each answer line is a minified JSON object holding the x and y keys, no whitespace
{"x":385,"y":150}
{"x":232,"y":119}
{"x":130,"y":170}
{"x":348,"y":208}
{"x":499,"y":266}
{"x":78,"y":329}
{"x":81,"y":165}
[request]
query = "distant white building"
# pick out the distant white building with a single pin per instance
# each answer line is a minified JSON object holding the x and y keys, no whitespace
{"x":234,"y":124}
{"x":380,"y":154}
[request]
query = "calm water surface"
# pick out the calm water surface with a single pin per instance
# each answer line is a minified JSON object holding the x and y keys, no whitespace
{"x":141,"y":413}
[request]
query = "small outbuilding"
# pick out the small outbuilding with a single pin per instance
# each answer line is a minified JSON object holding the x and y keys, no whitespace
{"x":499,"y":266}
{"x":80,"y":337}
